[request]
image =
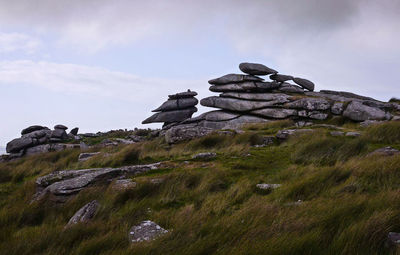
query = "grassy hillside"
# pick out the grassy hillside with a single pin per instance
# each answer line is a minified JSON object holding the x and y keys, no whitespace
{"x":334,"y":198}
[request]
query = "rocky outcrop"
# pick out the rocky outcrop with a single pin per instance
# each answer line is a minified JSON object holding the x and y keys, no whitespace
{"x":177,"y":108}
{"x":360,"y":112}
{"x":62,"y":184}
{"x":146,"y":231}
{"x":85,"y":214}
{"x":205,"y":155}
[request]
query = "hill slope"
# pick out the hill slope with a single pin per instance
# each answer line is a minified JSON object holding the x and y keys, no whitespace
{"x":335,"y":198}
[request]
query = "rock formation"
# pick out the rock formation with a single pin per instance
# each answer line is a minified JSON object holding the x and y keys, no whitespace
{"x":39,"y":139}
{"x":248,"y":98}
{"x":177,"y":108}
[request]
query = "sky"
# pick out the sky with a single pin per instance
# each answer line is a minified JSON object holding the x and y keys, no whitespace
{"x":101,"y":65}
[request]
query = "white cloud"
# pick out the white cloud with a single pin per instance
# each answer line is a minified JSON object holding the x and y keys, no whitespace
{"x":17,"y":42}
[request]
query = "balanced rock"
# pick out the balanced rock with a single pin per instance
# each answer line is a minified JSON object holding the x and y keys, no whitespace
{"x":234,"y":78}
{"x":256,"y":69}
{"x":59,"y":126}
{"x":171,"y":116}
{"x":281,"y":77}
{"x":290,"y":88}
{"x":177,"y":104}
{"x":304,"y":83}
{"x":186,"y":94}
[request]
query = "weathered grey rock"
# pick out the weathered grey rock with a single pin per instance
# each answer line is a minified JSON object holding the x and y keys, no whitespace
{"x":59,"y":126}
{"x":237,"y":105}
{"x":281,"y":77}
{"x":87,"y":155}
{"x":234,"y":78}
{"x":123,"y":184}
{"x":74,"y":131}
{"x":69,"y":182}
{"x":337,"y":133}
{"x":39,"y":149}
{"x":177,"y":104}
{"x":280,"y":97}
{"x":346,"y":94}
{"x":302,"y":123}
{"x":309,"y":103}
{"x":38,"y":134}
{"x":396,"y":118}
{"x":368,"y":123}
{"x":394,"y":239}
{"x":276,"y":113}
{"x":289,"y":88}
{"x":171,"y":116}
{"x":304,"y":83}
{"x":146,"y":231}
{"x":266,"y":141}
{"x":386,"y":151}
{"x":353,"y":134}
{"x":85,"y":214}
{"x":214,"y":116}
{"x":183,"y":95}
{"x":318,"y":115}
{"x":185,"y":132}
{"x":255,"y":69}
{"x":266,"y":186}
{"x":246,"y":86}
{"x":59,"y":134}
{"x":32,"y":128}
{"x":236,"y":123}
{"x":205,"y":155}
{"x":19,"y":144}
{"x":284,"y":134}
{"x":337,"y":108}
{"x":358,"y":112}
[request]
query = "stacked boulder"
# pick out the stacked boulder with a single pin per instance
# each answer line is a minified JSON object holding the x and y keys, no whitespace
{"x":177,"y":108}
{"x":38,"y":139}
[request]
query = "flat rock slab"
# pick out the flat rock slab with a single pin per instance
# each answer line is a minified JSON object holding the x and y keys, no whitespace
{"x":146,"y":231}
{"x":310,"y":103}
{"x":234,"y":78}
{"x":171,"y":116}
{"x":32,"y":128}
{"x":256,"y":69}
{"x":85,"y":214}
{"x":69,"y":182}
{"x":177,"y":104}
{"x":238,"y":105}
{"x":246,"y":86}
{"x":280,"y":97}
{"x":183,"y":95}
{"x":281,"y":77}
{"x":275,"y":113}
{"x":386,"y":151}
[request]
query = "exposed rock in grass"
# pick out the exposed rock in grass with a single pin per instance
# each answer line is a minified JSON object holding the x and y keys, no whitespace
{"x":337,"y":133}
{"x":266,"y":140}
{"x":123,"y":184}
{"x":284,"y":134}
{"x":205,"y":155}
{"x":146,"y":231}
{"x":85,"y":214}
{"x":394,"y":238}
{"x":268,"y":187}
{"x":62,"y":184}
{"x":353,"y":134}
{"x":386,"y":151}
{"x":87,"y":155}
{"x":185,"y":132}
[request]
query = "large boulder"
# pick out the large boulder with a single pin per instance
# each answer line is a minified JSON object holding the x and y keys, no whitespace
{"x":256,"y":69}
{"x":146,"y":231}
{"x":185,"y":132}
{"x":85,"y":214}
{"x":309,"y":103}
{"x":32,"y":128}
{"x":177,"y":104}
{"x":359,"y":112}
{"x":171,"y":116}
{"x":304,"y":83}
{"x":19,"y":144}
{"x":238,"y":105}
{"x":234,"y":78}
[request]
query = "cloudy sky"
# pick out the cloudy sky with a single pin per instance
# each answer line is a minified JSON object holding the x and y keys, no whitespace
{"x":101,"y":64}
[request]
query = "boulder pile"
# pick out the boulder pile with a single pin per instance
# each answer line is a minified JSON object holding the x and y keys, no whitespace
{"x":177,"y":108}
{"x":38,"y":139}
{"x":249,"y":98}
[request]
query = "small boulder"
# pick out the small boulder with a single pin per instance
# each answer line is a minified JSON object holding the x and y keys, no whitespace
{"x":205,"y":156}
{"x":146,"y":231}
{"x":304,"y":83}
{"x":59,"y":126}
{"x":284,"y":134}
{"x":394,"y":238}
{"x":85,"y":214}
{"x":353,"y":134}
{"x":386,"y":151}
{"x":337,"y":133}
{"x":85,"y":156}
{"x":268,"y":187}
{"x":256,"y":69}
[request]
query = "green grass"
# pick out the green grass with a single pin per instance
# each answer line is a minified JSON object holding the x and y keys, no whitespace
{"x":350,"y":200}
